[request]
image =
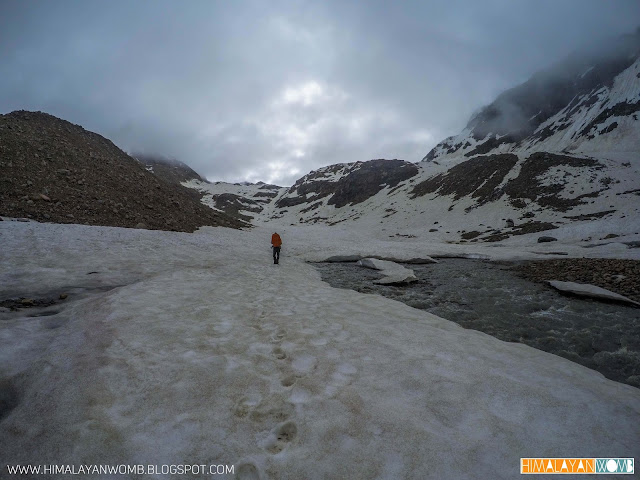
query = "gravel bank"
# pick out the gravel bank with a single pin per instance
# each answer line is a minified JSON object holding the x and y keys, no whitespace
{"x":619,"y":276}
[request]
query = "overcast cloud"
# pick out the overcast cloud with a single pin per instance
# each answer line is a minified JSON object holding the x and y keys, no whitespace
{"x":269,"y":90}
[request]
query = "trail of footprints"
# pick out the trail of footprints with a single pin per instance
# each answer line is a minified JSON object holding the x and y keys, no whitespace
{"x":271,"y":409}
{"x":275,"y":408}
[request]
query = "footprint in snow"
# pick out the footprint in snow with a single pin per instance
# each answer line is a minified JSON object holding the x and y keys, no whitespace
{"x":245,"y":405}
{"x":281,"y":436}
{"x":288,"y":381}
{"x":273,"y":408}
{"x":279,"y":353}
{"x":278,"y":335}
{"x":248,"y":471}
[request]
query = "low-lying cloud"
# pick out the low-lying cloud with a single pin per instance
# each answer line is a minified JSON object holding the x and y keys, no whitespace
{"x":271,"y":90}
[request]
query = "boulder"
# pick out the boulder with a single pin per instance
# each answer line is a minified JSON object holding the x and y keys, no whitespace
{"x":590,"y":291}
{"x":544,"y":239}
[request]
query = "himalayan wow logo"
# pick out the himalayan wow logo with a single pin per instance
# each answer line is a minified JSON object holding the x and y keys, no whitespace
{"x":577,"y":465}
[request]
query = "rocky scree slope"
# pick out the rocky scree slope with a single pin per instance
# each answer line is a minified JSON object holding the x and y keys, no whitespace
{"x":54,"y":171}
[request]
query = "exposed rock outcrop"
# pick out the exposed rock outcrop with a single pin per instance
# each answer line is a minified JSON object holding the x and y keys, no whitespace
{"x":346,"y":184}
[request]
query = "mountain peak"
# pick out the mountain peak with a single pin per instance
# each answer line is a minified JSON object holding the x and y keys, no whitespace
{"x":596,"y":90}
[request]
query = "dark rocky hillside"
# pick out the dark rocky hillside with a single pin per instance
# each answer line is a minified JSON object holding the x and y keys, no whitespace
{"x":481,"y":178}
{"x":347,"y":184}
{"x":233,"y":204}
{"x":54,"y":171}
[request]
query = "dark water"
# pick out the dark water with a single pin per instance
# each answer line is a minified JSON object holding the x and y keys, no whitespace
{"x":491,"y":298}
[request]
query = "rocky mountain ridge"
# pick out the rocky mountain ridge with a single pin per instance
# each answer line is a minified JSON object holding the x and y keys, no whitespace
{"x":54,"y":171}
{"x":245,"y":201}
{"x":170,"y":170}
{"x":587,"y":104}
{"x":485,"y":198}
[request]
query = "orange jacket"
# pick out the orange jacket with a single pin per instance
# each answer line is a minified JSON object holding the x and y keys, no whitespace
{"x":276,"y":241}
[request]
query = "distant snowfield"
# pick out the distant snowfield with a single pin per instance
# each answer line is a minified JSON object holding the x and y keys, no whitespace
{"x":207,"y":353}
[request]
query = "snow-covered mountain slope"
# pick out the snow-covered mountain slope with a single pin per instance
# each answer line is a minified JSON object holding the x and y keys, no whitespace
{"x":560,"y":152}
{"x":195,"y":349}
{"x":588,"y":104}
{"x":241,"y":200}
{"x":485,"y":198}
{"x":340,"y":192}
{"x":325,"y":195}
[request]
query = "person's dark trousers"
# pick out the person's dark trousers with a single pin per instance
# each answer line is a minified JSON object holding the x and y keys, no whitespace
{"x":276,"y":254}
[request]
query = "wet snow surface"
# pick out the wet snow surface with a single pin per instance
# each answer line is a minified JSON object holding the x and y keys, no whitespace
{"x":489,"y":297}
{"x":207,"y":353}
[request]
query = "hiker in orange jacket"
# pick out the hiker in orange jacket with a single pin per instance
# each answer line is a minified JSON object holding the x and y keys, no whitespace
{"x":276,"y":243}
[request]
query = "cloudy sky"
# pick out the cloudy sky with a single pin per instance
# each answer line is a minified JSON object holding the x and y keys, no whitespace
{"x":269,"y":90}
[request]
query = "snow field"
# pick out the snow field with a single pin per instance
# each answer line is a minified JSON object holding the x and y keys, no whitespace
{"x":208,"y":353}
